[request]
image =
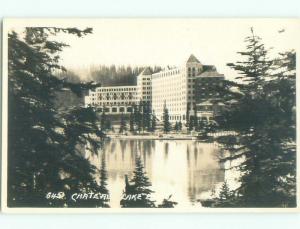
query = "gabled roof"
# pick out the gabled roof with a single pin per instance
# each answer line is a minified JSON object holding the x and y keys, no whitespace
{"x":147,"y":71}
{"x":193,"y":59}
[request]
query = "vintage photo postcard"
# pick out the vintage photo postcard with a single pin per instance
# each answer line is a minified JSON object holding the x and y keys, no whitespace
{"x":149,"y":115}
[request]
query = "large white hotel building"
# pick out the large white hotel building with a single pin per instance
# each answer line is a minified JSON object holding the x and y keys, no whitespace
{"x":173,"y":87}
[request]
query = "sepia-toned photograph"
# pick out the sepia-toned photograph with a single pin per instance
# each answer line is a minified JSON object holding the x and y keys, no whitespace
{"x":155,"y":115}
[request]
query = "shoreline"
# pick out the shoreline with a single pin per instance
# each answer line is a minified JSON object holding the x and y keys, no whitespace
{"x":153,"y":137}
{"x":169,"y":136}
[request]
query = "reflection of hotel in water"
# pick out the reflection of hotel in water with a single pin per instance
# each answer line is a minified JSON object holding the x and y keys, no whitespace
{"x":120,"y":157}
{"x":185,"y":169}
{"x":203,"y":169}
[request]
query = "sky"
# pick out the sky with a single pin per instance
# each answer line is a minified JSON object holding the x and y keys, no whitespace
{"x":163,"y":42}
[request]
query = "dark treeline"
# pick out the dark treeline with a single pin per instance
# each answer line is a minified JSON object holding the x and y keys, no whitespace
{"x":106,"y":75}
{"x":69,"y":76}
{"x":117,"y":75}
{"x":65,"y":99}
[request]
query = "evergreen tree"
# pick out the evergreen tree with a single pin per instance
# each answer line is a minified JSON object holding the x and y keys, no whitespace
{"x":135,"y":114}
{"x":166,"y":122}
{"x":179,"y":126}
{"x":167,"y":203}
{"x":225,"y":192}
{"x":144,"y":115}
{"x":263,"y":120}
{"x":139,"y":117}
{"x":196,"y":123}
{"x":254,"y":69}
{"x":139,"y":187}
{"x":191,"y":123}
{"x":108,"y":125}
{"x":147,"y":116}
{"x":176,"y":127}
{"x":187,"y":114}
{"x":131,"y":122}
{"x":44,"y":153}
{"x":226,"y":197}
{"x":153,"y":122}
{"x":122,"y":124}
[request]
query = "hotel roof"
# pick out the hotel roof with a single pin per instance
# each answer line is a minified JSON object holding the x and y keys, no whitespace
{"x":193,"y":59}
{"x":146,"y":71}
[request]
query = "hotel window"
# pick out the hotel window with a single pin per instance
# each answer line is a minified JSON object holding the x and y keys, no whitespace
{"x":114,"y":109}
{"x":106,"y":109}
{"x":122,"y":109}
{"x":129,"y":109}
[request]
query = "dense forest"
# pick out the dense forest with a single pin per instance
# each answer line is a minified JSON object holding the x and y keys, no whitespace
{"x":107,"y":75}
{"x":117,"y":75}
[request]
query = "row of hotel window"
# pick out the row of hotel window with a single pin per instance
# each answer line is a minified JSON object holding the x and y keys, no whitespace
{"x":175,"y":117}
{"x":115,"y":109}
{"x":113,"y":94}
{"x":178,"y":118}
{"x":122,"y":97}
{"x":113,"y":103}
{"x":167,"y":73}
{"x":117,"y":89}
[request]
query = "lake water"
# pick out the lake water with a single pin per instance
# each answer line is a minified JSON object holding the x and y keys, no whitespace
{"x":187,"y":170}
